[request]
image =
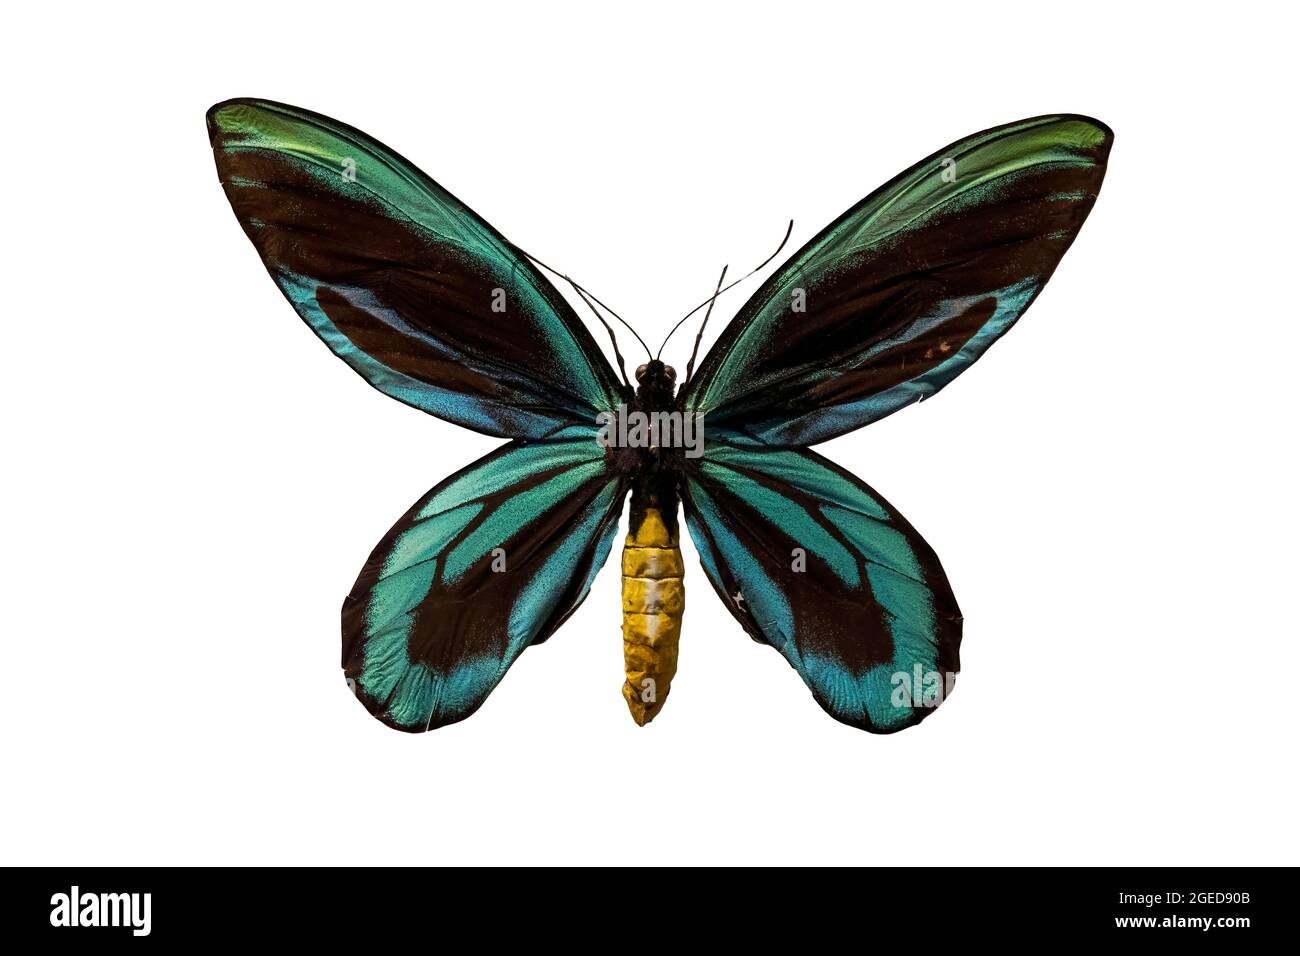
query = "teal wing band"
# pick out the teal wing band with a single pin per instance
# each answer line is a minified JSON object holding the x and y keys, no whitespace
{"x":908,"y":288}
{"x":489,"y":562}
{"x":814,"y":563}
{"x":418,"y":294}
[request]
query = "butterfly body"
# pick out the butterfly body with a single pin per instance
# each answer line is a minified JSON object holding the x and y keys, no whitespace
{"x":434,"y":307}
{"x":653,"y":572}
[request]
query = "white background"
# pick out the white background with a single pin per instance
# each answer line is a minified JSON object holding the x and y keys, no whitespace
{"x":191,"y":482}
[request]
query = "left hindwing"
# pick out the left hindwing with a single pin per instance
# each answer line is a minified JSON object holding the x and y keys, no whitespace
{"x":813,"y":562}
{"x":490,"y":561}
{"x":906,"y":289}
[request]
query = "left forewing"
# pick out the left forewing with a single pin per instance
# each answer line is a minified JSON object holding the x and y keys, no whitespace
{"x":413,"y":290}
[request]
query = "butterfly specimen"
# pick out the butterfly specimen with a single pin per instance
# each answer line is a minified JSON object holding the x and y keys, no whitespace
{"x":431,"y":305}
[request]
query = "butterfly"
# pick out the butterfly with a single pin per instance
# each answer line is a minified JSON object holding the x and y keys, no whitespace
{"x":434,"y":307}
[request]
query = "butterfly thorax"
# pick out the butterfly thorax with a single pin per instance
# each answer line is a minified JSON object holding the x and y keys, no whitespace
{"x":657,"y":467}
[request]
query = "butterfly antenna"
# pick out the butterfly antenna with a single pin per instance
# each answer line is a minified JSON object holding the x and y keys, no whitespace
{"x":690,"y":366}
{"x":622,"y":367}
{"x":587,"y":297}
{"x":721,"y":289}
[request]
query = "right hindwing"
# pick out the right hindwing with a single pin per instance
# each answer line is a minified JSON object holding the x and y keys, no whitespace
{"x":814,"y":563}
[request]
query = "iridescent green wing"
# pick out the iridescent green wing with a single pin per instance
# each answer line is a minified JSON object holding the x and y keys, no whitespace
{"x":906,"y":289}
{"x":813,"y":562}
{"x":420,"y":296}
{"x":489,"y":562}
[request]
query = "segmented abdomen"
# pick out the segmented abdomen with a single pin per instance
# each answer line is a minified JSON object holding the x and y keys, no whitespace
{"x":653,"y":599}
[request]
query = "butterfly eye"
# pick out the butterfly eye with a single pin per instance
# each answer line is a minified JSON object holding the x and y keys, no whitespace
{"x":640,"y":372}
{"x":671,"y":373}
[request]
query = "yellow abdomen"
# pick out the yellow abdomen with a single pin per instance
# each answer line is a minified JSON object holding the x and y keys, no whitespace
{"x":653,"y":599}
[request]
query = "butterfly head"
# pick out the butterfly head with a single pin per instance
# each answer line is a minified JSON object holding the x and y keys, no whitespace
{"x":657,"y":382}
